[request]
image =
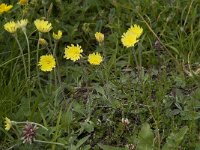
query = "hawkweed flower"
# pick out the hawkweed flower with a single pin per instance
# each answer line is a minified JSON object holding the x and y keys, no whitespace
{"x":8,"y":124}
{"x":29,"y":133}
{"x":23,"y":2}
{"x":42,"y":25}
{"x":58,"y":35}
{"x":125,"y":121}
{"x":4,"y":8}
{"x":95,"y":59}
{"x":73,"y":52}
{"x":42,"y":42}
{"x":136,"y":29}
{"x":130,"y":38}
{"x":47,"y":63}
{"x":11,"y":26}
{"x":22,"y":24}
{"x":99,"y":37}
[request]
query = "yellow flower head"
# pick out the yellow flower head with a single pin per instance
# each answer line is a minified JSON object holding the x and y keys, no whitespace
{"x":129,"y":39}
{"x":99,"y":37}
{"x":8,"y":124}
{"x":136,"y":29}
{"x":4,"y":8}
{"x":11,"y":26}
{"x":42,"y":25}
{"x":95,"y":59}
{"x":47,"y":63}
{"x":58,"y":35}
{"x":23,"y":2}
{"x":73,"y":52}
{"x":42,"y":42}
{"x":22,"y":24}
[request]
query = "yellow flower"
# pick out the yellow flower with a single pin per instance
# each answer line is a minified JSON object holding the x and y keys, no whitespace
{"x":99,"y":37}
{"x":136,"y":29}
{"x":42,"y":42}
{"x":95,"y":58}
{"x":22,"y":24}
{"x":8,"y":124}
{"x":4,"y":8}
{"x":58,"y":35}
{"x":11,"y":26}
{"x":42,"y":25}
{"x":73,"y":52}
{"x":129,"y":39}
{"x":47,"y":62}
{"x":23,"y":2}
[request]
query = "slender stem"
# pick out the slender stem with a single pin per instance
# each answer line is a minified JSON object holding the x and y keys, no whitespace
{"x":140,"y":56}
{"x":29,"y":65}
{"x":12,"y":147}
{"x":37,"y":59}
{"x":29,"y":54}
{"x":49,"y":142}
{"x":54,"y":55}
{"x":157,"y":127}
{"x":135,"y":57}
{"x":168,"y":51}
{"x":58,"y":69}
{"x":32,"y":123}
{"x":22,"y":55}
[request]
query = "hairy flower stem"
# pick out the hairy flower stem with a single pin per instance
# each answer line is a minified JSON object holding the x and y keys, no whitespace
{"x":55,"y":143}
{"x":29,"y":66}
{"x":140,"y":60}
{"x":25,"y":122}
{"x":57,"y":71}
{"x":37,"y":59}
{"x":29,"y":54}
{"x":54,"y":55}
{"x":22,"y":54}
{"x":135,"y":57}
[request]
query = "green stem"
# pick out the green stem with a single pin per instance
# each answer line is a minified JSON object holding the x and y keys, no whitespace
{"x":54,"y":55}
{"x":140,"y":56}
{"x":29,"y":54}
{"x":29,"y":67}
{"x":22,"y":55}
{"x":56,"y":143}
{"x":58,"y":68}
{"x":37,"y":124}
{"x":37,"y":59}
{"x":135,"y":57}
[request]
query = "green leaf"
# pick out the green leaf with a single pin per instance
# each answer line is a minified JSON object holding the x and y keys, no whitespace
{"x":145,"y":138}
{"x":87,"y":126}
{"x":106,"y":147}
{"x":82,"y":141}
{"x":174,"y":139}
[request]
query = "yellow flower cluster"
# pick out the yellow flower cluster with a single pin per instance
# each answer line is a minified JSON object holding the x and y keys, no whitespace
{"x":22,"y":24}
{"x":95,"y":59}
{"x":23,"y":2}
{"x":73,"y":52}
{"x":47,"y":63}
{"x":99,"y":37}
{"x":13,"y":26}
{"x":42,"y":42}
{"x":8,"y":124}
{"x":4,"y":8}
{"x":42,"y":25}
{"x":130,"y":38}
{"x":58,"y":35}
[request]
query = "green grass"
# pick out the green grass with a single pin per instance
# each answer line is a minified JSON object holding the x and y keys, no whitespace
{"x":85,"y":110}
